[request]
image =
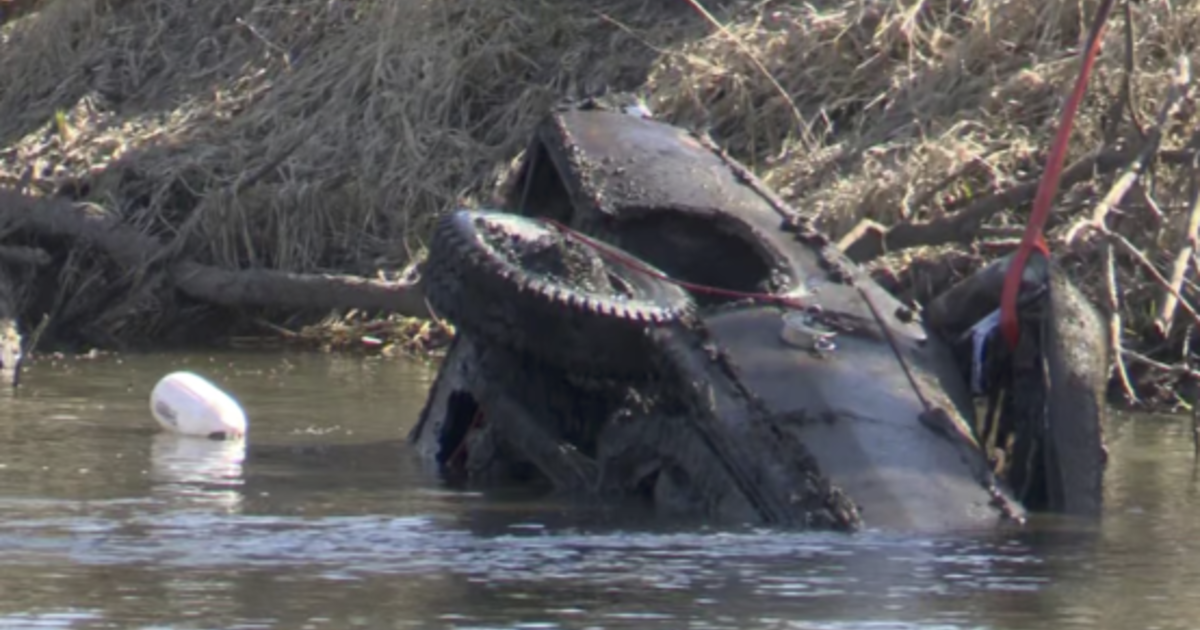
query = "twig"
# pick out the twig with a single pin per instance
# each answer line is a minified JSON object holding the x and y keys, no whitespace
{"x":1176,"y":370}
{"x":963,"y":225}
{"x":1114,"y":323}
{"x":1124,"y":100}
{"x":1134,"y":169}
{"x":276,"y":328}
{"x":1158,"y":277}
{"x":36,"y":336}
{"x":1195,"y":431}
{"x":1149,"y":200}
{"x":1173,"y":370}
{"x":1130,"y":66}
{"x":1179,"y":270}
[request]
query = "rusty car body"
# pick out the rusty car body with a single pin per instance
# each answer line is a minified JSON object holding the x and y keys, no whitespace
{"x":739,"y":367}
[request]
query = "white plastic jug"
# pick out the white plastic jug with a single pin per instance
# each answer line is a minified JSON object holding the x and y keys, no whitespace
{"x":186,"y":403}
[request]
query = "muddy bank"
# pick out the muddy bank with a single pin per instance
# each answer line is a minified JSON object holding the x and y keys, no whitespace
{"x":252,"y":139}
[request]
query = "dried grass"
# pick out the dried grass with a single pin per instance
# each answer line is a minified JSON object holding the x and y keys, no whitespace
{"x":919,"y":107}
{"x":375,"y":115}
{"x":354,"y":122}
{"x":901,"y":94}
{"x":318,"y":134}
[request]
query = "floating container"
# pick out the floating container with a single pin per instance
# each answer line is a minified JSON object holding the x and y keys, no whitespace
{"x":188,"y":404}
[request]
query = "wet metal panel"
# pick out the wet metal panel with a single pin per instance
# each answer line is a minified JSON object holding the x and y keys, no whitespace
{"x":633,"y":163}
{"x":618,"y":168}
{"x":1076,"y":353}
{"x":858,"y":415}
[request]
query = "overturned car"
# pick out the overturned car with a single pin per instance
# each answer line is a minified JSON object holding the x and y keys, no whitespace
{"x":644,"y":320}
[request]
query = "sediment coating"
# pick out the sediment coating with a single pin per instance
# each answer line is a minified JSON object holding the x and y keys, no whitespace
{"x":518,"y":282}
{"x":1075,"y":348}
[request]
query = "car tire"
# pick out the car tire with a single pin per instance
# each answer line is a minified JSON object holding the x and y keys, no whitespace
{"x":482,"y":275}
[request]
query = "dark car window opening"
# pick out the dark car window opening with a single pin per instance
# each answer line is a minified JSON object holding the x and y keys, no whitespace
{"x":463,"y":416}
{"x":460,"y":414}
{"x":697,"y":250}
{"x":539,"y":190}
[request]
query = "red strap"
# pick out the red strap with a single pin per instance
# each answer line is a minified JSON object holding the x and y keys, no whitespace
{"x":1034,"y":237}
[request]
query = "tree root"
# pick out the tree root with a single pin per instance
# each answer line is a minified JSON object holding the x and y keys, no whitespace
{"x":1132,"y":171}
{"x":133,"y":250}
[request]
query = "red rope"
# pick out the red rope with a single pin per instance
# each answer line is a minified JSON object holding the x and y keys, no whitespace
{"x":629,"y":261}
{"x":786,"y":302}
{"x":1034,"y":237}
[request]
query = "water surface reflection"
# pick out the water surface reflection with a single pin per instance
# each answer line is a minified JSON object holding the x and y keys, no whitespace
{"x":324,"y":520}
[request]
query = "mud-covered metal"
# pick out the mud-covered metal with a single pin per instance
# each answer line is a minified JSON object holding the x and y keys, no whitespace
{"x":518,"y":282}
{"x":621,"y":171}
{"x":655,"y":441}
{"x":1047,"y":413}
{"x":855,"y":412}
{"x":1075,"y":348}
{"x":735,"y":420}
{"x":776,"y":473}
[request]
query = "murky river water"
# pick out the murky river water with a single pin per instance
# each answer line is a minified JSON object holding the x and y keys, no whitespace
{"x":327,"y":522}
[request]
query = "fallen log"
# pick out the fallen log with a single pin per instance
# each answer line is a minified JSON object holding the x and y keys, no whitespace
{"x":230,"y":287}
{"x":269,"y":287}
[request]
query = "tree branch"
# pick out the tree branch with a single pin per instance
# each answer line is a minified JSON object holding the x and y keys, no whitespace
{"x":241,"y":287}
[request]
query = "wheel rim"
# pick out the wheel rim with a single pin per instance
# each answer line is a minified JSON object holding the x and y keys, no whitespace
{"x":527,"y":245}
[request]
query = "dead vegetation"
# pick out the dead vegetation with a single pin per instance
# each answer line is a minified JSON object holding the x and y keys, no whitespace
{"x":306,"y":136}
{"x":322,"y":136}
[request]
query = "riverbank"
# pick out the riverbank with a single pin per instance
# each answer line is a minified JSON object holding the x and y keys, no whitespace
{"x":322,"y":137}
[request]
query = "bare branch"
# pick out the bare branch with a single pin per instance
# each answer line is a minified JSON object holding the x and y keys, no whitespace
{"x":1134,"y":170}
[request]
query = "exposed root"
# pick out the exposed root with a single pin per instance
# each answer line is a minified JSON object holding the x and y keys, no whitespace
{"x":240,"y":287}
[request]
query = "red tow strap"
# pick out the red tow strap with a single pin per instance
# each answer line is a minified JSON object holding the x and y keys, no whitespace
{"x":1034,"y":237}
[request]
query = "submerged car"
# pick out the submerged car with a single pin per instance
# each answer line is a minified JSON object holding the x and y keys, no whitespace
{"x":642,"y":319}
